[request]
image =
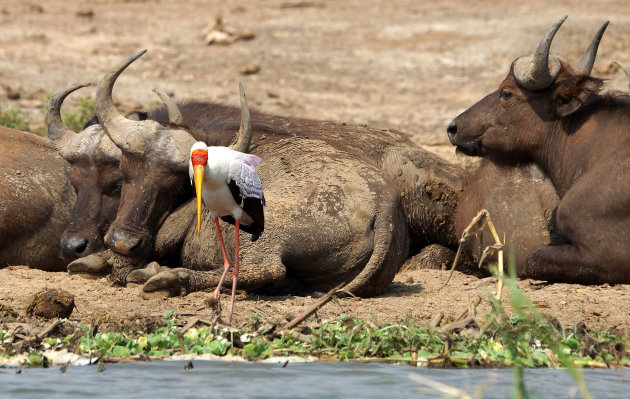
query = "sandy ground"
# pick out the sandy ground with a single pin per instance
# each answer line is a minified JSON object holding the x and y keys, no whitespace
{"x":403,"y":64}
{"x":415,"y":294}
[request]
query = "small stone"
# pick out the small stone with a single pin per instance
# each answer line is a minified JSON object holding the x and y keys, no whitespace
{"x":249,"y":69}
{"x":85,"y":13}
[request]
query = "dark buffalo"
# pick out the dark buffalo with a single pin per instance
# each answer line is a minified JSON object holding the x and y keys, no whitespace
{"x":334,"y":214}
{"x":520,"y":200}
{"x":551,"y":114}
{"x":95,"y":176}
{"x":36,"y":201}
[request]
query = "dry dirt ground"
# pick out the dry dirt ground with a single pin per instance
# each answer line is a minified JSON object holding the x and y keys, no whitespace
{"x":405,"y":64}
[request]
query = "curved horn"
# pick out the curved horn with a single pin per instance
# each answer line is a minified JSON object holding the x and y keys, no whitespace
{"x":244,"y":135}
{"x":174,"y":114}
{"x":626,"y":70}
{"x":113,"y":121}
{"x":585,"y":65}
{"x":537,"y":71}
{"x":58,"y":133}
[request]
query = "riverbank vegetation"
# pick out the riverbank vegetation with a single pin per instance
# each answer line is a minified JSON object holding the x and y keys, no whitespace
{"x":513,"y":334}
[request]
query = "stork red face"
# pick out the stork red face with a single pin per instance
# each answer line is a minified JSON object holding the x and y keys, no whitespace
{"x":199,"y":159}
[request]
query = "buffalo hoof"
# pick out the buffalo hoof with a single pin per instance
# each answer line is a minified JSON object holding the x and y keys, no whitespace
{"x":141,"y":276}
{"x":92,"y":266}
{"x":433,"y":256}
{"x":168,"y":283}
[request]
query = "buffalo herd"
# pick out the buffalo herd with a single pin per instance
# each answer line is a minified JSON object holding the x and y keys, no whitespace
{"x":346,"y":204}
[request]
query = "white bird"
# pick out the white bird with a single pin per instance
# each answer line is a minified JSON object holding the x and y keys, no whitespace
{"x":229,"y":185}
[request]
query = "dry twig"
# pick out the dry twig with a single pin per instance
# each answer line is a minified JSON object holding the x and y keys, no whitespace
{"x":476,"y":226}
{"x":322,"y":301}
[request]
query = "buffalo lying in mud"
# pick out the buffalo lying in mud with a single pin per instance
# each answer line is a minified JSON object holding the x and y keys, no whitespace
{"x":551,"y":114}
{"x":345,"y":203}
{"x":36,"y":201}
{"x":95,"y":175}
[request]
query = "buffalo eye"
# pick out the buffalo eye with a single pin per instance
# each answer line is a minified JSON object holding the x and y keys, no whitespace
{"x":505,"y":95}
{"x":114,"y":189}
{"x":562,"y":101}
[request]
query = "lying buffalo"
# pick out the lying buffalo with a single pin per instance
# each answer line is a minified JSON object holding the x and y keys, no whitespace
{"x":36,"y":201}
{"x":520,"y":200}
{"x":333,"y":214}
{"x":519,"y":197}
{"x":95,"y":176}
{"x":551,"y":114}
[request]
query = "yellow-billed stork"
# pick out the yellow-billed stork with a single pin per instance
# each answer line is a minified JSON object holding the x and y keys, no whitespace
{"x":229,"y":185}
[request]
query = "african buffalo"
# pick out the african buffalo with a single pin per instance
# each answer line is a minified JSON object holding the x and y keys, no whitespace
{"x":36,"y":201}
{"x":333,"y":214}
{"x":96,"y":178}
{"x":551,"y":114}
{"x":520,"y":200}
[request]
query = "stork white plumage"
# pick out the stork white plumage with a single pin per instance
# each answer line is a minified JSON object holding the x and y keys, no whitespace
{"x":229,"y":185}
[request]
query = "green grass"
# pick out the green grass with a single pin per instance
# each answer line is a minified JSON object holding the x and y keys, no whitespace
{"x":81,"y":113}
{"x":14,"y":119}
{"x":520,"y":338}
{"x":74,"y":119}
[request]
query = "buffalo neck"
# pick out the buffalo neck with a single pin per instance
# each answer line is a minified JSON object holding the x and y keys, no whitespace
{"x":572,"y":146}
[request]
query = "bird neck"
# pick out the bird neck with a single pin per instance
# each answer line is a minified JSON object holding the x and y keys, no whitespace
{"x":214,"y":175}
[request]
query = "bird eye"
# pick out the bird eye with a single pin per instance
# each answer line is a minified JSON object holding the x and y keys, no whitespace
{"x":505,"y":95}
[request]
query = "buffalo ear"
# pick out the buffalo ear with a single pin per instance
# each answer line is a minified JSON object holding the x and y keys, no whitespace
{"x":570,"y":94}
{"x":137,"y":115}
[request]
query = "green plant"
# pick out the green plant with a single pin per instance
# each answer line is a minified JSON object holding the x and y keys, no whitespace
{"x":76,"y":119}
{"x":14,"y":119}
{"x":82,"y":112}
{"x":529,"y":337}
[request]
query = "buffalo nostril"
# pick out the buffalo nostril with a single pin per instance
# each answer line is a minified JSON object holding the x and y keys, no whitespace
{"x":452,"y":129}
{"x":123,"y":243}
{"x":74,"y":246}
{"x":80,"y":246}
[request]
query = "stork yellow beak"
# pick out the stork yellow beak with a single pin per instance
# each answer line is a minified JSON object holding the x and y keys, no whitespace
{"x":198,"y":173}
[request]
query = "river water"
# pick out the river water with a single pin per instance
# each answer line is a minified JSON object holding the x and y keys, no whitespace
{"x":169,"y":379}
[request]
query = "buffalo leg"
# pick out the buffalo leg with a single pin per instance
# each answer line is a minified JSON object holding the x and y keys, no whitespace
{"x":567,"y":263}
{"x":181,"y":281}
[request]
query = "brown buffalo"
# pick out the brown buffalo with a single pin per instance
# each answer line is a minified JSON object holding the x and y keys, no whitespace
{"x":520,"y":200}
{"x":36,"y":201}
{"x":333,"y":215}
{"x":95,"y":176}
{"x":551,"y":114}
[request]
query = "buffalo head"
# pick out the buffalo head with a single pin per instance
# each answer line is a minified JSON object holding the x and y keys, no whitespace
{"x":154,"y":166}
{"x":95,"y":175}
{"x":540,"y":92}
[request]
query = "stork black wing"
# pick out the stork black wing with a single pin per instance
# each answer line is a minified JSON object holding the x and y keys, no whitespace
{"x":253,"y":207}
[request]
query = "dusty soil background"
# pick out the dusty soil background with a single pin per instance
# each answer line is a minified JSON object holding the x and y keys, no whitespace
{"x":402,"y":64}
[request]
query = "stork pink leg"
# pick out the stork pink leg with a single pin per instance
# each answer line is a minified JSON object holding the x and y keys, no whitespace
{"x":234,"y":274}
{"x":226,"y":263}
